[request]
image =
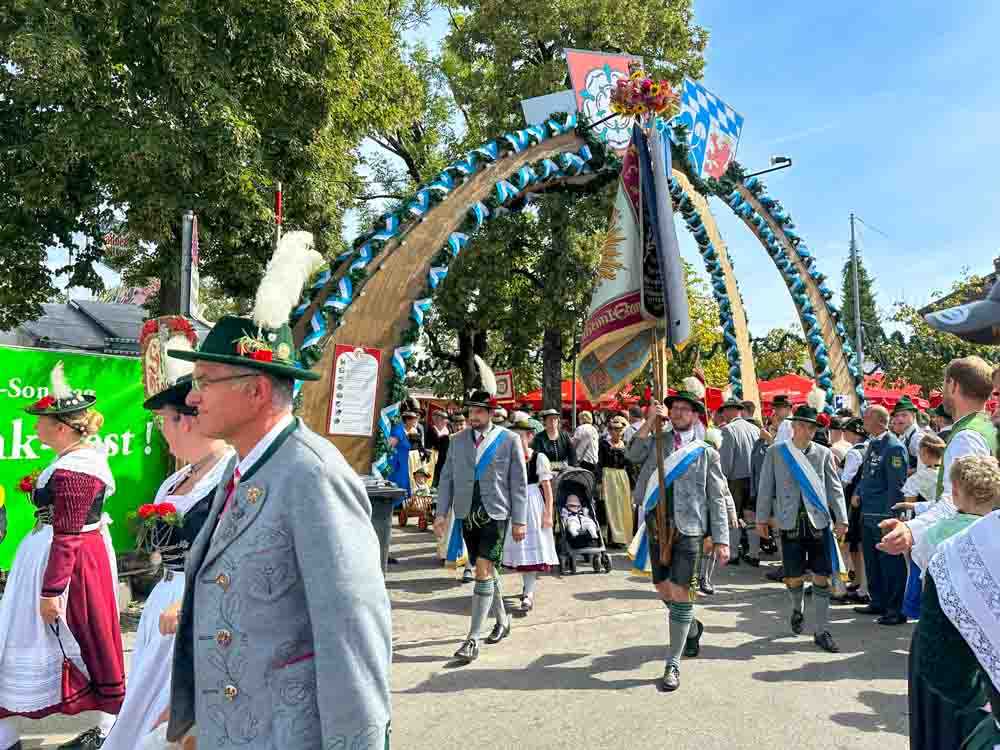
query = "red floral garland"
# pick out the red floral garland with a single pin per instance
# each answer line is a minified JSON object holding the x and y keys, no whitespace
{"x":28,"y":481}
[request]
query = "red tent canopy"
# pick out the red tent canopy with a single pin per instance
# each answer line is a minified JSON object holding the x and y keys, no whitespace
{"x":611,"y":402}
{"x":797,"y":388}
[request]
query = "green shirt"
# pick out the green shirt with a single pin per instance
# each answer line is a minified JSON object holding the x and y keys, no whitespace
{"x":948,"y":527}
{"x":977,"y":422}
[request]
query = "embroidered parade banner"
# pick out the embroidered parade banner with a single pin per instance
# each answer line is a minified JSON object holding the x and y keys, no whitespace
{"x":641,"y":277}
{"x":136,"y":452}
{"x":593,"y":75}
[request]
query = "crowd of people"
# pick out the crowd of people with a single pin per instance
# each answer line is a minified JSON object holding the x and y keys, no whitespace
{"x":858,"y":508}
{"x":271,"y":626}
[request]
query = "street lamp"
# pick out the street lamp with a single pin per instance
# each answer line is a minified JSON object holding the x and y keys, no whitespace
{"x":777,"y":162}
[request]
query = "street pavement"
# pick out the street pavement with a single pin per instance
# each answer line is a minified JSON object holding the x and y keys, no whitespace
{"x":580,"y":670}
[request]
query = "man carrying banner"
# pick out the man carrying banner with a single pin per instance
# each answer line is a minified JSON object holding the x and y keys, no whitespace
{"x":696,"y":504}
{"x":800,"y":487}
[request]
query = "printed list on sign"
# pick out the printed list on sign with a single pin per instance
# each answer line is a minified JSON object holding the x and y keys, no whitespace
{"x":355,"y":383}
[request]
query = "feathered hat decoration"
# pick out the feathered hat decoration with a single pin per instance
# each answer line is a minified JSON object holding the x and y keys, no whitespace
{"x":693,"y":385}
{"x":817,"y":399}
{"x":61,"y":399}
{"x":486,"y":376}
{"x":293,"y":262}
{"x":60,"y":386}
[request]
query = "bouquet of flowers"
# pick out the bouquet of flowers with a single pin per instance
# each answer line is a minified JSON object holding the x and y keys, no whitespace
{"x":153,"y":525}
{"x":639,"y":95}
{"x":28,"y":481}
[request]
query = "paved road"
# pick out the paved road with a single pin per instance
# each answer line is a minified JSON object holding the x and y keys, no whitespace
{"x":580,"y":670}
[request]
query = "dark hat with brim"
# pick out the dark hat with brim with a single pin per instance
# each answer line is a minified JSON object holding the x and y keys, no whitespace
{"x":807,"y":414}
{"x":408,"y":414}
{"x":780,"y":400}
{"x":687,"y":396}
{"x":978,"y":322}
{"x":904,"y":404}
{"x":440,"y":413}
{"x":49,"y":406}
{"x":549,"y":413}
{"x":480,"y":399}
{"x":174,"y":396}
{"x":457,"y":417}
{"x":732,"y":403}
{"x":939,"y":411}
{"x":240,"y":342}
{"x":523,"y":425}
{"x":856,"y":426}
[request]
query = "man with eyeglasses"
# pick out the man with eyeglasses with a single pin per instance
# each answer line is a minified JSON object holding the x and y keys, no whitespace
{"x":284,"y":635}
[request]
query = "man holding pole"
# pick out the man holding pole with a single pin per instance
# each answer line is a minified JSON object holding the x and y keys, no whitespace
{"x":681,"y":506}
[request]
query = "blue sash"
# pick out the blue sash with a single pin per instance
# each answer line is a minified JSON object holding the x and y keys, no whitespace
{"x":811,"y":494}
{"x":640,"y":559}
{"x":488,"y":453}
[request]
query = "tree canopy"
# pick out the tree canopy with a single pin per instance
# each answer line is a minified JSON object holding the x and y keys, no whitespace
{"x":119,"y":116}
{"x":871,"y":321}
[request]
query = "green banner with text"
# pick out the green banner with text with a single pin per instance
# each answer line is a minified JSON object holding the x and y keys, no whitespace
{"x":136,"y":452}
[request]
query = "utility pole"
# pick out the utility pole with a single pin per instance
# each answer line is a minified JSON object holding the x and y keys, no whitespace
{"x":858,"y":333}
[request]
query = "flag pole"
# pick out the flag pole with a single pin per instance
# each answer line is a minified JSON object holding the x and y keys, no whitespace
{"x":278,"y":213}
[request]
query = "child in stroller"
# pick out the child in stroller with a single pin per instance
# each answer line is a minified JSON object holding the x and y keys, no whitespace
{"x":580,"y":527}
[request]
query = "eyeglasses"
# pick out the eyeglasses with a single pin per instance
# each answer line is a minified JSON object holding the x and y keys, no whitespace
{"x":198,"y":384}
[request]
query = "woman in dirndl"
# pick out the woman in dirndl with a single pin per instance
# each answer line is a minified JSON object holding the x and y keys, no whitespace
{"x":61,"y":596}
{"x":537,"y":552}
{"x":615,"y":487}
{"x":187,"y":495}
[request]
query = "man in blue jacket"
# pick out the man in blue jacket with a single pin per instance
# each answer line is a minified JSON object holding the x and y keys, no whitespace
{"x":883,"y":474}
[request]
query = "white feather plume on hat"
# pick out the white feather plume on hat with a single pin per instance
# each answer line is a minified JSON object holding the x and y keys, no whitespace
{"x":174,"y":369}
{"x":60,"y":387}
{"x":293,"y":262}
{"x":691,"y":384}
{"x":486,"y":375}
{"x":816,"y":399}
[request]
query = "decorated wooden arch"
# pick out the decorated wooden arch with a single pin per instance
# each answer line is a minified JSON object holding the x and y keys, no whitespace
{"x":378,"y":293}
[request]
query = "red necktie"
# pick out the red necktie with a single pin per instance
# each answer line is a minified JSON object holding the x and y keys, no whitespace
{"x":477,"y":439}
{"x":230,"y":494}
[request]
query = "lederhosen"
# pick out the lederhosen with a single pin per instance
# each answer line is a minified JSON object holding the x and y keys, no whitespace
{"x":483,"y":535}
{"x":804,"y":547}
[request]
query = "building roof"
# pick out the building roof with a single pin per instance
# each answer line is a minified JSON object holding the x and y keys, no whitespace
{"x":106,"y":327}
{"x":958,"y":298}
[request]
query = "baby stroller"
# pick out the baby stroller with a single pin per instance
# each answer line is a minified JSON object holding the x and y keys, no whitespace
{"x":581,"y":483}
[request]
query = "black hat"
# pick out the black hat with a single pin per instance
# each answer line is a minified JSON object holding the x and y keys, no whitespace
{"x":440,"y":413}
{"x":174,"y":396}
{"x":837,"y":422}
{"x":822,"y":437}
{"x":480,"y":399}
{"x":856,"y":426}
{"x":409,"y":413}
{"x":732,"y":403}
{"x":457,"y":417}
{"x":805,"y":413}
{"x":691,"y":398}
{"x":939,"y":411}
{"x":780,"y":400}
{"x":62,"y":399}
{"x":549,"y":413}
{"x":523,"y":425}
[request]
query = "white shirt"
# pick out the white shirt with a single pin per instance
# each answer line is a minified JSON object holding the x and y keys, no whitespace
{"x":852,"y":462}
{"x":840,"y":449}
{"x":922,"y":482}
{"x":585,"y":441}
{"x":784,"y":432}
{"x":265,"y":442}
{"x":964,"y":443}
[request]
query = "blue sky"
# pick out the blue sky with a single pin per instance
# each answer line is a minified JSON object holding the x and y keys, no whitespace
{"x":889,"y":110}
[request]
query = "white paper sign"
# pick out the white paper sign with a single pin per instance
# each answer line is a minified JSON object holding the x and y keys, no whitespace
{"x":354,"y":387}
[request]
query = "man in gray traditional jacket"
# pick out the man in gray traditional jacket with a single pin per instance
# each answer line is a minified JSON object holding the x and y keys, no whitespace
{"x":485,"y":482}
{"x":696,"y":505}
{"x":284,"y":637}
{"x":738,"y":438}
{"x":800,"y":487}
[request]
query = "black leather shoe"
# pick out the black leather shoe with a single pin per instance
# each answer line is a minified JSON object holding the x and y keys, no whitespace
{"x":671,"y":678}
{"x":734,"y":561}
{"x":777,"y":575}
{"x":706,"y":587}
{"x":498,"y":633}
{"x":753,"y":562}
{"x":469,"y":651}
{"x":868,"y":609}
{"x":892,"y":620}
{"x":16,"y":746}
{"x":797,"y":619}
{"x":856,"y":597}
{"x":89,"y":740}
{"x":825,"y":641}
{"x":692,"y":646}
